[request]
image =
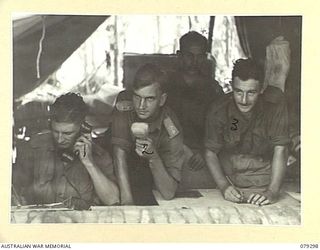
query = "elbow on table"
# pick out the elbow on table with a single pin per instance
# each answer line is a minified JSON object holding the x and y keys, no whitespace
{"x":113,"y":198}
{"x":168,"y":194}
{"x":112,"y":201}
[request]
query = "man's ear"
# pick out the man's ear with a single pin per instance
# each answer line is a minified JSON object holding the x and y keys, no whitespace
{"x":163,"y":99}
{"x":261,"y":84}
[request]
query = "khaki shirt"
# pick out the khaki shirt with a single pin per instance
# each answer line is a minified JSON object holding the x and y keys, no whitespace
{"x":228,"y":130}
{"x":246,"y":144}
{"x":165,"y":132}
{"x":43,"y":178}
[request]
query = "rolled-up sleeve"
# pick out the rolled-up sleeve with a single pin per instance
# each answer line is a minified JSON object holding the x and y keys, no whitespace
{"x":171,"y":153}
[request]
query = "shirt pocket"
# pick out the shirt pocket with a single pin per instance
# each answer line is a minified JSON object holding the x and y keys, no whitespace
{"x":231,"y":138}
{"x":44,"y":166}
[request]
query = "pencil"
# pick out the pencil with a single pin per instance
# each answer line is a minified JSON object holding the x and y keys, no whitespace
{"x":231,"y":183}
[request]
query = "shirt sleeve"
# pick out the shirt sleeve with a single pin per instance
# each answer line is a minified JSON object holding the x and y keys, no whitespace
{"x":171,"y":153}
{"x":213,"y":131}
{"x":278,"y":124}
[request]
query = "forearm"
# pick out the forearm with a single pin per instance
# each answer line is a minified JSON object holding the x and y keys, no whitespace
{"x":278,"y":169}
{"x":215,"y":168}
{"x":106,"y":189}
{"x":164,"y":182}
{"x":121,"y":168}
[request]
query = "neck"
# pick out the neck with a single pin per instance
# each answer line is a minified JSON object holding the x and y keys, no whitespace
{"x":247,"y":115}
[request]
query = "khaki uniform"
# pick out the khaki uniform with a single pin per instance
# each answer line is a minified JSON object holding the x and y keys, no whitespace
{"x":166,"y":134}
{"x":245,"y":146}
{"x":42,"y":177}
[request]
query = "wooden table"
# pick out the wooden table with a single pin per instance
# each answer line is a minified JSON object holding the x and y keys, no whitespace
{"x":210,"y":208}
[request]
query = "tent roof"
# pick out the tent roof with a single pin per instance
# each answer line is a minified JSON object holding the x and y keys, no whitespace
{"x":63,"y":35}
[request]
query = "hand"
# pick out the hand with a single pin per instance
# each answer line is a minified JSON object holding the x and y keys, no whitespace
{"x":232,"y":194}
{"x":79,"y":204}
{"x":295,"y":143}
{"x":264,"y":198}
{"x":145,"y":148}
{"x":196,"y":162}
{"x":83,"y":146}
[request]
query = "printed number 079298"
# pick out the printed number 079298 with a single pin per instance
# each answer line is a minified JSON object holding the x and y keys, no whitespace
{"x":309,"y":246}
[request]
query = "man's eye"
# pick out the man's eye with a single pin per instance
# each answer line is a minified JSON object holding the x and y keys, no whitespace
{"x":150,"y":99}
{"x":137,"y":98}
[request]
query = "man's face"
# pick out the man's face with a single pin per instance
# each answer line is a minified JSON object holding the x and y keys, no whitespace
{"x":193,"y":58}
{"x":245,"y":93}
{"x":65,"y":134}
{"x":148,"y":100}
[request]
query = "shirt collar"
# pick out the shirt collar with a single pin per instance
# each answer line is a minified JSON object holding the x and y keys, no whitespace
{"x":156,"y":124}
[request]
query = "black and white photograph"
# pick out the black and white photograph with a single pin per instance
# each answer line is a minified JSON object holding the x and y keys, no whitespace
{"x":156,"y":119}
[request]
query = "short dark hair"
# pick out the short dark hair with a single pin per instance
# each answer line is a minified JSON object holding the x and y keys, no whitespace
{"x":149,"y":74}
{"x":247,"y":69}
{"x":193,"y":38}
{"x":69,"y":107}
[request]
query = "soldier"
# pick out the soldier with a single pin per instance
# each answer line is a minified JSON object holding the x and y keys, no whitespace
{"x":148,"y":149}
{"x":191,"y":90}
{"x":246,"y":138}
{"x":64,"y":163}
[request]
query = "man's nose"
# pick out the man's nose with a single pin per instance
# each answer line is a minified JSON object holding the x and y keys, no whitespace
{"x":244,"y":99}
{"x":142,"y":103}
{"x":60,"y":138}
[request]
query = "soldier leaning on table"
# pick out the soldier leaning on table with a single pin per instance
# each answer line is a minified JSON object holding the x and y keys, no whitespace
{"x":152,"y":158}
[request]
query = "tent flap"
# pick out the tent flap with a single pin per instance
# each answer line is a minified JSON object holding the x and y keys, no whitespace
{"x":63,"y":35}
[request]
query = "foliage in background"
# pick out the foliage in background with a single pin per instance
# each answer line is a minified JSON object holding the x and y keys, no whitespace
{"x":97,"y":64}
